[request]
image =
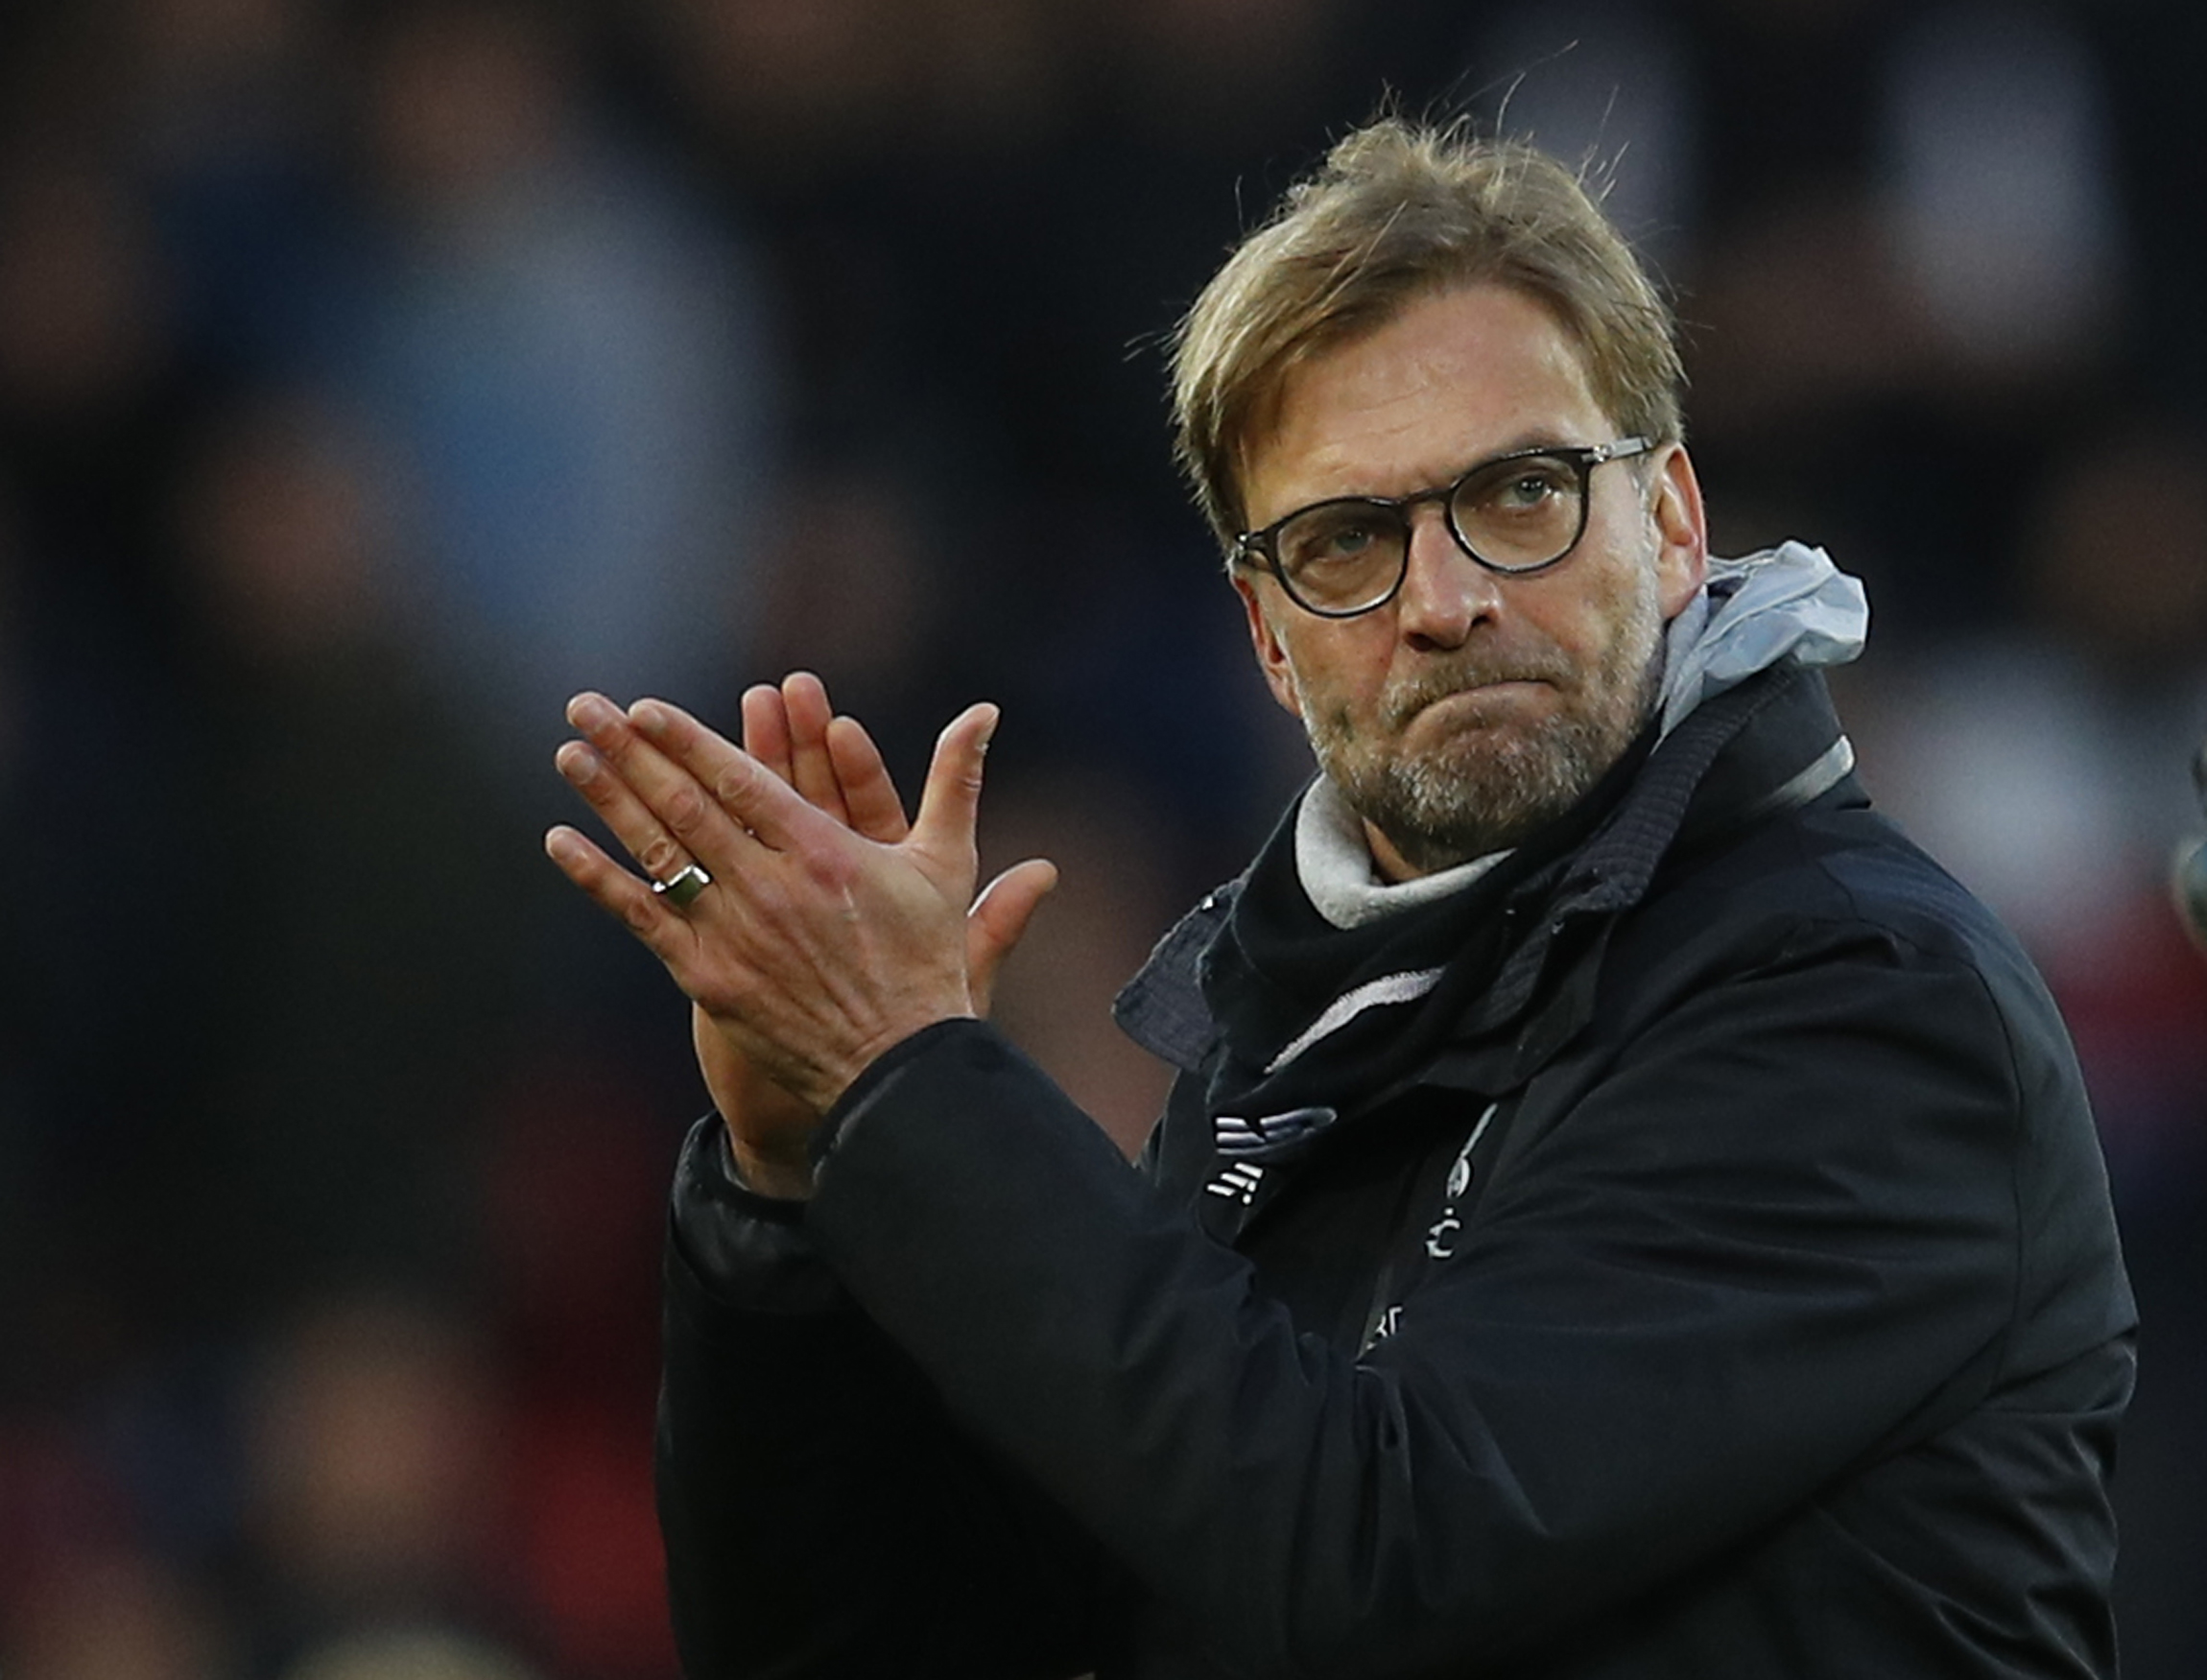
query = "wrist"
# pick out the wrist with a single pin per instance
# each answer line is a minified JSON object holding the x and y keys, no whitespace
{"x":771,"y":1172}
{"x":831,"y":1085}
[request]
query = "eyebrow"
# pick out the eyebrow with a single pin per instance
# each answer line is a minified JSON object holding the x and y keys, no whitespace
{"x":1528,"y":442}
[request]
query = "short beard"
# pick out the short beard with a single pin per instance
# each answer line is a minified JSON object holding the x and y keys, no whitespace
{"x":1481,"y":793}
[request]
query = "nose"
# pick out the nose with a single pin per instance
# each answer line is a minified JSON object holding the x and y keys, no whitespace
{"x":1445,"y":593}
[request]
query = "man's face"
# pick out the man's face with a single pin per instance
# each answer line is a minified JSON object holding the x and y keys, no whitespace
{"x":1473,"y":707}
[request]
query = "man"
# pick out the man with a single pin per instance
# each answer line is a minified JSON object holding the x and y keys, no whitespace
{"x":1624,"y":1212}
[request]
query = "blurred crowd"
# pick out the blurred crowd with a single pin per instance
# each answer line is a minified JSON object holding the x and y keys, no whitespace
{"x":375,"y":375}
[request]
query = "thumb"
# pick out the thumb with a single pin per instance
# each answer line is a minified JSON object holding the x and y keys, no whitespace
{"x":950,"y":804}
{"x":998,"y":921}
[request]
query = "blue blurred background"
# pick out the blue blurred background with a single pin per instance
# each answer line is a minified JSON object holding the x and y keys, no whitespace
{"x":373,"y":376}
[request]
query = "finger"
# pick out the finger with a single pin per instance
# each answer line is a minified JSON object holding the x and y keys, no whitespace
{"x":811,"y":770}
{"x":950,"y":804}
{"x":698,"y":822}
{"x":620,"y":895}
{"x":641,"y":833}
{"x":876,"y":811}
{"x":998,"y":921}
{"x":767,"y":728}
{"x":735,"y":784}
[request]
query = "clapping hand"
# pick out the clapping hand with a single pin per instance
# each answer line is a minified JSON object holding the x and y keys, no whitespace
{"x":832,"y":926}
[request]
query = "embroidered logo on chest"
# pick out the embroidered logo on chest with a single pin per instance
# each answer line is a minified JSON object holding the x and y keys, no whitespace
{"x":1442,"y":1235}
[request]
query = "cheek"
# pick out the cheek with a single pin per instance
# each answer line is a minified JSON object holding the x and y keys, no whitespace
{"x":1619,"y":598}
{"x":1338,"y":674}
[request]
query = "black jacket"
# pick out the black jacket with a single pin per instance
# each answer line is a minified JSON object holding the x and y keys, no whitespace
{"x":1735,"y":1294}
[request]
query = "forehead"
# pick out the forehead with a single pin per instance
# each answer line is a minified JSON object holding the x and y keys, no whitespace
{"x":1450,"y":378}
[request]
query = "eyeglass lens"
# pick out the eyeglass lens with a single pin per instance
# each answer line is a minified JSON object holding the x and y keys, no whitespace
{"x":1515,"y":515}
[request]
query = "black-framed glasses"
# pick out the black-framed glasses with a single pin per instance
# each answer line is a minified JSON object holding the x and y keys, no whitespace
{"x":1515,"y":513}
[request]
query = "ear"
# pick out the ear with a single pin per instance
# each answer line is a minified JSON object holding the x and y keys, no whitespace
{"x":1272,"y":654}
{"x":1682,"y":533}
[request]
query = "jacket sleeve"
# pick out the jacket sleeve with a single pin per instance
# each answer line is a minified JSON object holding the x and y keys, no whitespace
{"x":1781,"y":1225}
{"x":823,"y":1519}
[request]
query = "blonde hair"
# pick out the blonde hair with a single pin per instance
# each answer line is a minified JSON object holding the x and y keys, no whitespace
{"x":1397,"y":211}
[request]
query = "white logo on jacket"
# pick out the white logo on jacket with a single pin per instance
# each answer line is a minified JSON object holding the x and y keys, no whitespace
{"x":1440,"y":1237}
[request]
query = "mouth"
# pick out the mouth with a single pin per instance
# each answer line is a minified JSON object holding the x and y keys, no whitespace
{"x":1504,"y":690}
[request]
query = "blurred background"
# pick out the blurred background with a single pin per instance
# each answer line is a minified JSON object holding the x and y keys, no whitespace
{"x":372,"y":376}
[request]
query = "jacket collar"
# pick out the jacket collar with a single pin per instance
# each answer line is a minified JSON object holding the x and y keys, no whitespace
{"x":1768,"y":745}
